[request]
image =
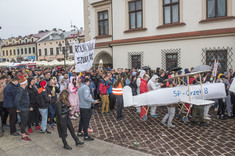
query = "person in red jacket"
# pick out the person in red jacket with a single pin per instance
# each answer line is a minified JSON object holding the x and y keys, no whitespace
{"x":143,"y":89}
{"x":103,"y":95}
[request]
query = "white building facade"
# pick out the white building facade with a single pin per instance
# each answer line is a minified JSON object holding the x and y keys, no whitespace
{"x":162,"y":33}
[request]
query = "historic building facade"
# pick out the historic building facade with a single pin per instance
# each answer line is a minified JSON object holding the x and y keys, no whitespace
{"x":21,"y":48}
{"x":48,"y":46}
{"x":162,"y":33}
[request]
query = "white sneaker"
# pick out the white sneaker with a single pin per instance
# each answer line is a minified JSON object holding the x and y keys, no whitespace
{"x":76,"y":114}
{"x":73,"y":118}
{"x":170,"y":125}
{"x":163,"y":123}
{"x":207,"y":118}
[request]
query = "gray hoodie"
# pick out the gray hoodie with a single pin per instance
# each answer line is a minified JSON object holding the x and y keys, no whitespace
{"x":152,"y":85}
{"x":84,"y":95}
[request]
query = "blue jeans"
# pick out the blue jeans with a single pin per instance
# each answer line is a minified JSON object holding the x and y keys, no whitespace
{"x":44,"y":114}
{"x":52,"y":109}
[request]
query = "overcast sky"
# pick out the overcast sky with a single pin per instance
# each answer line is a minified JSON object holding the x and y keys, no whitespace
{"x":24,"y":17}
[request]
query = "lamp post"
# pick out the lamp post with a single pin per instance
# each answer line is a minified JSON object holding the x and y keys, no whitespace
{"x":74,"y":26}
{"x":64,"y":50}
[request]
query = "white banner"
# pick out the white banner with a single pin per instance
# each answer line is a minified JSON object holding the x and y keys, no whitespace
{"x":84,"y":55}
{"x":166,"y":96}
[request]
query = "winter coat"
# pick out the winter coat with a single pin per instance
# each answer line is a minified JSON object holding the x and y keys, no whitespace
{"x":84,"y":97}
{"x":152,"y":85}
{"x":22,"y":99}
{"x":92,"y":85}
{"x":73,"y":93}
{"x":9,"y":96}
{"x":2,"y":93}
{"x":143,"y":86}
{"x":53,"y":98}
{"x":33,"y":94}
{"x":133,"y":86}
{"x":103,"y":88}
{"x":43,"y":99}
{"x":62,"y":119}
{"x":138,"y":81}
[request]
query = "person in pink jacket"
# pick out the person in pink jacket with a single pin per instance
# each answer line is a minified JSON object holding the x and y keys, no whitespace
{"x":73,"y":97}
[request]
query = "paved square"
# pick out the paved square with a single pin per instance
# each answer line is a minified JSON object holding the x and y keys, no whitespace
{"x":156,"y":139}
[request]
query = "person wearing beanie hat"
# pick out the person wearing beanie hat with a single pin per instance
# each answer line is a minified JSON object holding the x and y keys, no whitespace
{"x":43,"y":103}
{"x":22,"y":107}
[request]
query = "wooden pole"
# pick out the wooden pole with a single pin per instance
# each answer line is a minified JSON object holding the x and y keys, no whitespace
{"x":200,"y":76}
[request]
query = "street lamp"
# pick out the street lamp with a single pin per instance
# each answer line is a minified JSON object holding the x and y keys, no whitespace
{"x":74,"y":26}
{"x":64,"y":50}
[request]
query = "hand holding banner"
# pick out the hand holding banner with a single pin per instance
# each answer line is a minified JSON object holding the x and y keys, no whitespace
{"x":84,"y":55}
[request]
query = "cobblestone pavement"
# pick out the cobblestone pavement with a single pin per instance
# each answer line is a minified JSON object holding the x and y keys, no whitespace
{"x":156,"y":139}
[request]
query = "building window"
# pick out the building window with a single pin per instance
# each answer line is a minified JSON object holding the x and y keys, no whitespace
{"x":171,"y":11}
{"x":3,"y":53}
{"x":136,"y":61}
{"x":70,"y":49}
{"x":103,"y":23}
{"x":22,"y":51}
{"x":32,"y":39}
{"x":216,"y":8}
{"x":10,"y":53}
{"x":25,"y":40}
{"x":18,"y":51}
{"x":135,"y":14}
{"x":7,"y":52}
{"x":45,"y":52}
{"x":25,"y":50}
{"x":57,"y":50}
{"x":33,"y":50}
{"x":20,"y":41}
{"x":39,"y":52}
{"x":14,"y":52}
{"x":29,"y":50}
{"x":220,"y":56}
{"x":171,"y":61}
{"x":51,"y":51}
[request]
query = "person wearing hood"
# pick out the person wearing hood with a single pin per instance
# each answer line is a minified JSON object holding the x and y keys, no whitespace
{"x":143,"y":89}
{"x":153,"y":84}
{"x":33,"y":99}
{"x":73,"y":97}
{"x":52,"y":89}
{"x":138,"y":82}
{"x":43,"y":103}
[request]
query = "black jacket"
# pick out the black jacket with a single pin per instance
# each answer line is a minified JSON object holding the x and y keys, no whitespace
{"x":62,"y":119}
{"x":53,"y":98}
{"x":22,"y":99}
{"x":43,"y":100}
{"x":133,"y":86}
{"x":33,"y":94}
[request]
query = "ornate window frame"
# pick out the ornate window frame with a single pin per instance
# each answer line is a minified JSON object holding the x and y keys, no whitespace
{"x":141,"y":53}
{"x":169,"y":51}
{"x":229,"y":55}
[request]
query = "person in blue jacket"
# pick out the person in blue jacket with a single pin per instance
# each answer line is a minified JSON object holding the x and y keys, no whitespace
{"x":9,"y":99}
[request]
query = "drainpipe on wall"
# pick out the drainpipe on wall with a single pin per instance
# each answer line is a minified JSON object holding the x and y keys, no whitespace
{"x":112,"y":28}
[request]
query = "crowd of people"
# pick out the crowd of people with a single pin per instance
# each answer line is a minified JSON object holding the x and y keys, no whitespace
{"x":47,"y":97}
